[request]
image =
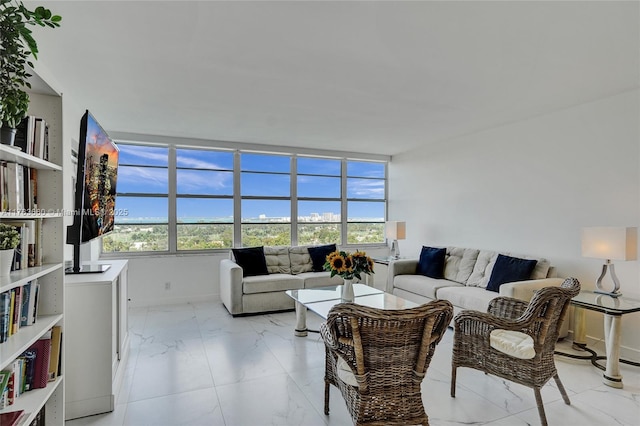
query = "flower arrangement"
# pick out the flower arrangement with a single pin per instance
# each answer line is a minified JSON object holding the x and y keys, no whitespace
{"x":349,"y":265}
{"x":9,"y":237}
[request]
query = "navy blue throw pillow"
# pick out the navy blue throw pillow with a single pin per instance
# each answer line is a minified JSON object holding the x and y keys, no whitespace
{"x":509,"y":269}
{"x":319,"y":256}
{"x":252,"y":261}
{"x":431,"y":263}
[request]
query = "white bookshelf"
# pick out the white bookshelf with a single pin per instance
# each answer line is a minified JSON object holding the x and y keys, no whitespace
{"x":50,"y":274}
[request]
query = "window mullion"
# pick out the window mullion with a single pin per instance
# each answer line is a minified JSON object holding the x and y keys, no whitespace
{"x":173,"y":221}
{"x":294,"y":200}
{"x":237,"y":201}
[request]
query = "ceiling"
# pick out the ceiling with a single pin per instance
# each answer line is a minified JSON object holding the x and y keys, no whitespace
{"x":364,"y":76}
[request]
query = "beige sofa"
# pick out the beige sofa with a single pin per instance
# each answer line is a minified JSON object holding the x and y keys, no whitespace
{"x":466,"y":275}
{"x":289,"y":268}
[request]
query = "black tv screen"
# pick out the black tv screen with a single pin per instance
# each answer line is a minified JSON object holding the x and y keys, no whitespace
{"x":95,"y":196}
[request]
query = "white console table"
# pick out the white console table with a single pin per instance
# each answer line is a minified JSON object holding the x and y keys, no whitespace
{"x":97,"y":339}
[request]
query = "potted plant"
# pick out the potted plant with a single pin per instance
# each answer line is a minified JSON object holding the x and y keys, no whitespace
{"x":16,"y":46}
{"x":9,"y":240}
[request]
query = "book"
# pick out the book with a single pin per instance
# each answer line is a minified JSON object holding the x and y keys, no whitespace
{"x":15,"y":187}
{"x":39,"y":137}
{"x":5,"y":300}
{"x":11,"y":418}
{"x":4,"y":381}
{"x":30,"y":361}
{"x":27,"y":297}
{"x":54,"y":359}
{"x":17,"y":309}
{"x":41,"y":373}
{"x":12,"y":302}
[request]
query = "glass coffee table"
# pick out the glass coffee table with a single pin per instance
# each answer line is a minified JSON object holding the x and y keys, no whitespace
{"x":321,"y":299}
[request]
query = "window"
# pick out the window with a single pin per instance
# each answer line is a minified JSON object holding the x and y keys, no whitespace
{"x":143,"y":192}
{"x":204,"y":199}
{"x":366,"y":203}
{"x":182,"y":199}
{"x":265,"y":191}
{"x":319,"y":201}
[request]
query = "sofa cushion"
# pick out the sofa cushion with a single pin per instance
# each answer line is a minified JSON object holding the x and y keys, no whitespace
{"x":300,"y":259}
{"x":319,"y":279}
{"x":319,"y":254}
{"x":465,"y":297}
{"x":431,"y":262}
{"x":508,"y":269}
{"x":421,"y":285}
{"x":277,"y":259}
{"x":487,"y":259}
{"x":459,"y":262}
{"x":271,"y":282}
{"x":252,"y":261}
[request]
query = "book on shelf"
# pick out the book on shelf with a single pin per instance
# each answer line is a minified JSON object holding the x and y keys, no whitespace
{"x":29,"y":357}
{"x":4,"y":382}
{"x":41,"y":373}
{"x":32,"y":136}
{"x":11,"y":418}
{"x":5,"y":307}
{"x":54,"y":359}
{"x":29,"y":250}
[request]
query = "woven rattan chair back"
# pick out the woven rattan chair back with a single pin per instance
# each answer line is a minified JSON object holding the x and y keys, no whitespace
{"x":541,"y":318}
{"x":388,"y":353}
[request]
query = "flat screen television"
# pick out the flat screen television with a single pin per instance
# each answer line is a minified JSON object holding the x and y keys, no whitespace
{"x":95,"y":192}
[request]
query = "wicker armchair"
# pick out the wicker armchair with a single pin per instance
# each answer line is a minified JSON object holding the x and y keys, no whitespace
{"x":378,"y":358}
{"x":537,"y":322}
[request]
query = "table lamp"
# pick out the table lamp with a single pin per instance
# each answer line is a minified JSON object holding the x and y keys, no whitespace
{"x":610,"y":243}
{"x":395,"y":231}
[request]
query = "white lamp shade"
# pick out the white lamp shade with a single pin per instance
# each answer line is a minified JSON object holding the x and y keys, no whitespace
{"x":613,"y":243}
{"x":395,"y":230}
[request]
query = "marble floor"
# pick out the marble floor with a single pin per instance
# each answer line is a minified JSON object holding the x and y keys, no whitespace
{"x":194,"y":364}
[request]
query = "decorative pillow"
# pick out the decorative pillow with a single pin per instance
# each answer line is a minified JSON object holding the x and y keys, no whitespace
{"x":509,"y":269}
{"x":319,"y":256}
{"x":300,"y":260}
{"x":252,"y":261}
{"x":431,"y":262}
{"x":277,"y":259}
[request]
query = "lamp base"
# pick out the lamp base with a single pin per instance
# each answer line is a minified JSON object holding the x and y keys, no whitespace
{"x":395,"y":250}
{"x":608,"y":293}
{"x":615,"y":292}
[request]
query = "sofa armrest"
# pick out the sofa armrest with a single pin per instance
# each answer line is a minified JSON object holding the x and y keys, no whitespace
{"x":400,"y":267}
{"x":524,"y":290}
{"x":231,"y":286}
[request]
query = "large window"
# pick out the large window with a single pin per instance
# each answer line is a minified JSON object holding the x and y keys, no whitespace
{"x":192,"y":199}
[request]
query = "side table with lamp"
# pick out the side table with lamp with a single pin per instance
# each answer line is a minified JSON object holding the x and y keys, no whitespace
{"x":608,"y":243}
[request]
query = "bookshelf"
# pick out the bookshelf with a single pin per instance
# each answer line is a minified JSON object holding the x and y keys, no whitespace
{"x":50,"y":274}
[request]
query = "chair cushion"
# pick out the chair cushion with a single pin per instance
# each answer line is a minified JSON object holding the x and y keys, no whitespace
{"x":512,"y":343}
{"x":319,"y":256}
{"x":345,"y":373}
{"x":431,"y":262}
{"x":509,"y":269}
{"x":252,"y":261}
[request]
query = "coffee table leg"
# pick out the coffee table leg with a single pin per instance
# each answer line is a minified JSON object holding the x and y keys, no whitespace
{"x":301,"y":320}
{"x":612,"y":376}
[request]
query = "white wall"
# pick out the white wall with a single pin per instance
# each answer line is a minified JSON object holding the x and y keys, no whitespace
{"x":529,"y":187}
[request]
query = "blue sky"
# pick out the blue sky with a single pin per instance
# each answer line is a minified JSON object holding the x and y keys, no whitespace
{"x":210,"y":173}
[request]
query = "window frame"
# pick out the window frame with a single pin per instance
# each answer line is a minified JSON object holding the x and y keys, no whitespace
{"x":343,"y":158}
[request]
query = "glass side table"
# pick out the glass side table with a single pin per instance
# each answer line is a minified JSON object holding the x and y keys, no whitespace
{"x":613,"y":308}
